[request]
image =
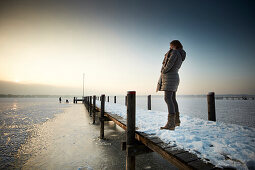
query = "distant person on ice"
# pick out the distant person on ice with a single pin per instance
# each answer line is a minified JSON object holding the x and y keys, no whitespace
{"x":59,"y":99}
{"x":169,"y":81}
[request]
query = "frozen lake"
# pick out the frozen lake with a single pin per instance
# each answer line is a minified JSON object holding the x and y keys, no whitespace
{"x":18,"y":116}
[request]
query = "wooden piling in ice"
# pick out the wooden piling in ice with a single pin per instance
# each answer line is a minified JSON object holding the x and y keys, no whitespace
{"x":211,"y":106}
{"x":130,"y":132}
{"x":102,"y":116}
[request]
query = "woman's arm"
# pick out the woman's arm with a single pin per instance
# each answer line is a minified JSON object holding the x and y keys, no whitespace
{"x":166,"y":55}
{"x":169,"y":63}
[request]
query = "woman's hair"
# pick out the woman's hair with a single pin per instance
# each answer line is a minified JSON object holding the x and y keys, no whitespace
{"x":177,"y":43}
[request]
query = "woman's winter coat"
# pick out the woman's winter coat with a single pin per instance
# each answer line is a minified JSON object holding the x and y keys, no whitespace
{"x":169,"y":78}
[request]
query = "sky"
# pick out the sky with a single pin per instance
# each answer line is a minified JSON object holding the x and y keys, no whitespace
{"x":120,"y":46}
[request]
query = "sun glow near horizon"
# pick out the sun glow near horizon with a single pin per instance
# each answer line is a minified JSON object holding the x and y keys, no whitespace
{"x":116,"y":51}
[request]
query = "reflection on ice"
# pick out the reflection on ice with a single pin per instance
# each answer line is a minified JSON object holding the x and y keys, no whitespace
{"x":85,"y":168}
{"x":102,"y":142}
{"x":14,"y":106}
{"x":17,"y":118}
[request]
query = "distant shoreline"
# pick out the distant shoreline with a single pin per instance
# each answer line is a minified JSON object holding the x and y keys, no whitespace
{"x":79,"y":96}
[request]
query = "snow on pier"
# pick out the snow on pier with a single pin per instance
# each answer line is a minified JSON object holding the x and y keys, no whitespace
{"x":224,"y":145}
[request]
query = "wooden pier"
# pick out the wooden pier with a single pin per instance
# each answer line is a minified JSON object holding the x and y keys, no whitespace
{"x":142,"y":143}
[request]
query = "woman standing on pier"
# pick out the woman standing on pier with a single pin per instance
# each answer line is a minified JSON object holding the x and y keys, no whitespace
{"x":169,"y":81}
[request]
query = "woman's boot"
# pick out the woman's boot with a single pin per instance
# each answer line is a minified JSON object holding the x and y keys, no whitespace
{"x":177,"y":119}
{"x":170,"y":125}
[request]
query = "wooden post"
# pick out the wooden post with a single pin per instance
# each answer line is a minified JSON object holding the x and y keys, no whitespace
{"x":90,"y":105}
{"x":73,"y":99}
{"x":87,"y":101}
{"x":108,"y":99}
{"x":114,"y":99}
{"x":211,"y":106}
{"x":102,"y":117}
{"x":130,"y":132}
{"x":149,"y":102}
{"x":94,"y":109}
{"x":126,"y":100}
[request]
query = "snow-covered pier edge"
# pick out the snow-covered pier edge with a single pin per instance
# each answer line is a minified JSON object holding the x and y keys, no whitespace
{"x":215,"y":143}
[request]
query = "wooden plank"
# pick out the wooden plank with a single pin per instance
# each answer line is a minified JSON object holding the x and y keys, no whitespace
{"x":142,"y":133}
{"x":156,"y":140}
{"x":123,"y":122}
{"x":151,"y":137}
{"x":186,"y":157}
{"x":201,"y":165}
{"x":174,"y":151}
{"x":115,"y":116}
{"x":123,"y":126}
{"x":163,"y":145}
{"x":169,"y":157}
